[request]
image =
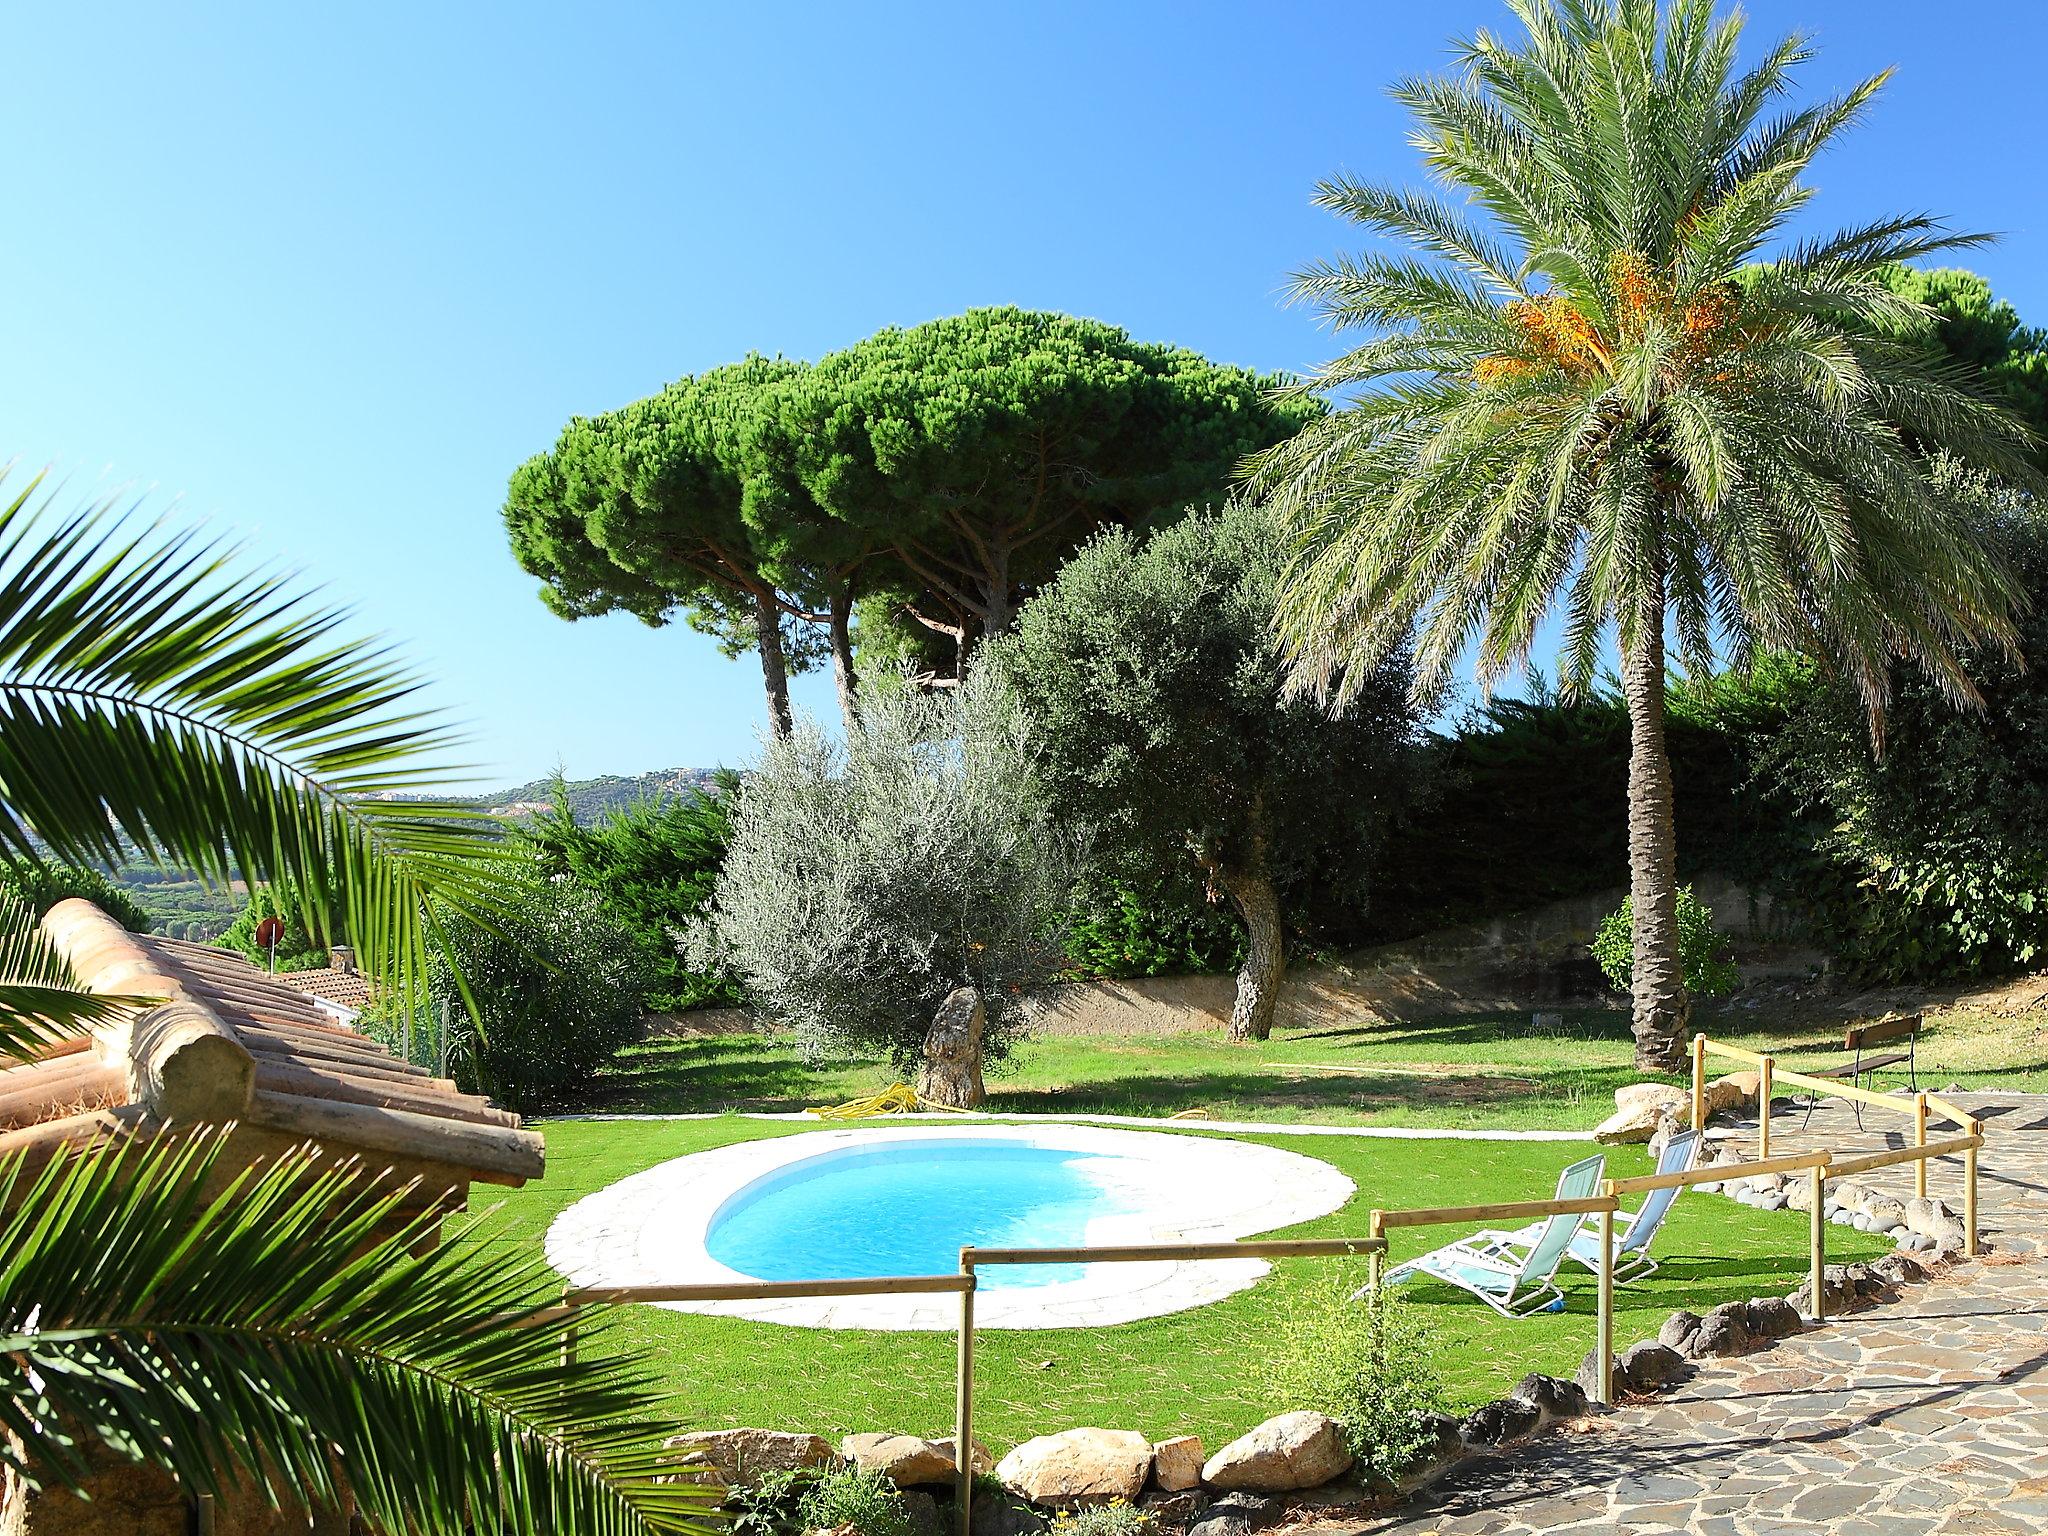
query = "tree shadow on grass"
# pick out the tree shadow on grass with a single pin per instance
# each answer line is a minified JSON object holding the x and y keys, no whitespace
{"x":704,"y":1074}
{"x":1362,"y":1092}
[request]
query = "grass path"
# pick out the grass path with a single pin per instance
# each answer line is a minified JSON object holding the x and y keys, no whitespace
{"x":1203,"y":1372}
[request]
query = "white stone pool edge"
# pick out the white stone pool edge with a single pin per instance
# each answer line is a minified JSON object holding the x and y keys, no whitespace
{"x":650,"y":1227}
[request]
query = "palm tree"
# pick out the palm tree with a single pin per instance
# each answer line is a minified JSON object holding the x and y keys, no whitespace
{"x":1609,"y":386}
{"x":281,"y":1334}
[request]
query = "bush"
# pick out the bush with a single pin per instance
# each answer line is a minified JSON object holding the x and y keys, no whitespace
{"x":1707,"y":972}
{"x":652,"y":865}
{"x":1156,"y":928}
{"x":298,"y":950}
{"x":1369,"y":1363}
{"x":866,"y":1503}
{"x":42,"y":883}
{"x":867,"y":881}
{"x":557,"y":987}
{"x":1119,"y":1517}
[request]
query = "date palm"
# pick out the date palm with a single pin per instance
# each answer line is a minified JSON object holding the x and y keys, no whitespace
{"x":1610,"y":385}
{"x":282,"y":1334}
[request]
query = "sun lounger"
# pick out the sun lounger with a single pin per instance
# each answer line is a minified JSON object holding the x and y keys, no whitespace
{"x":1513,"y":1272}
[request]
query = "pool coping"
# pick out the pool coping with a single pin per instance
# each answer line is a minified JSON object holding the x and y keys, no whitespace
{"x":650,"y":1227}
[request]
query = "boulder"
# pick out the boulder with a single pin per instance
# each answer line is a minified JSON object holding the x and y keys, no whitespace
{"x":1552,"y":1397}
{"x":1498,"y":1423}
{"x":1446,"y":1445}
{"x":1899,"y":1269}
{"x":1678,"y":1329}
{"x":1723,"y":1331}
{"x":1177,"y":1463}
{"x":1288,"y":1452}
{"x":922,"y":1510}
{"x":1770,"y":1317}
{"x":1175,"y":1509}
{"x":1885,"y":1212}
{"x":1731,"y":1092}
{"x":909,"y":1461}
{"x":1078,"y":1466}
{"x":1239,"y":1514}
{"x":951,"y":1074}
{"x":1799,"y":1194}
{"x":1647,"y":1365}
{"x":1932,"y":1219}
{"x":998,"y":1514}
{"x":738,"y":1457}
{"x":1641,"y":1110}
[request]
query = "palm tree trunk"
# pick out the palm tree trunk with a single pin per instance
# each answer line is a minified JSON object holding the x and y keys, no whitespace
{"x":841,"y":631}
{"x":774,"y":672}
{"x":1661,"y":1010}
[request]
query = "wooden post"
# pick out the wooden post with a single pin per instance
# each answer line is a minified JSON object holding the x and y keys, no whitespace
{"x":1699,"y":1082}
{"x":1603,"y":1369}
{"x":1763,"y":1110}
{"x":963,"y":1410}
{"x":1376,"y":1261}
{"x":1969,"y":1193}
{"x":1818,"y":1239}
{"x":1920,"y":1140}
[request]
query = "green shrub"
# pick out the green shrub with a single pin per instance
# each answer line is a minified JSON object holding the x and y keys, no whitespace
{"x":1162,"y":927}
{"x":1707,"y":972}
{"x":1119,"y":1517}
{"x":651,"y":864}
{"x":1367,"y":1362}
{"x":557,"y":987}
{"x":867,"y":1502}
{"x":42,"y":883}
{"x":298,"y":950}
{"x":766,"y":1505}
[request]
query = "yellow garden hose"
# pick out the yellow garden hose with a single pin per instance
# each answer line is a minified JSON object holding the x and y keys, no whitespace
{"x":900,"y":1099}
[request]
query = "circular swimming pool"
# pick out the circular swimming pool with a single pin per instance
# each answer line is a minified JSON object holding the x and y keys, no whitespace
{"x":904,"y":1200}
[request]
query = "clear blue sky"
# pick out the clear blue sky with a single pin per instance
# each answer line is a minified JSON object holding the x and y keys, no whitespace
{"x":329,"y":273}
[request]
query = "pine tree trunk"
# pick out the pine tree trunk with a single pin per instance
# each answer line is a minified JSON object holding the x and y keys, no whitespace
{"x":774,"y":673}
{"x":843,"y":678}
{"x":1660,"y":1007}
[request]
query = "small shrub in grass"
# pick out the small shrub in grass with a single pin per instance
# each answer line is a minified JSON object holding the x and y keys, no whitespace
{"x":1119,"y":1517}
{"x":766,"y":1506}
{"x":1708,"y":973}
{"x":1369,"y":1363}
{"x":865,"y":1503}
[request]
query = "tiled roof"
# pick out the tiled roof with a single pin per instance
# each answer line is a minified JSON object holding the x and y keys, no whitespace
{"x":226,"y":1041}
{"x":350,"y":988}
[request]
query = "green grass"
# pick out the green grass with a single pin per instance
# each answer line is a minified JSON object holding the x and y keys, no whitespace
{"x":1472,"y":1070}
{"x":1199,"y":1372}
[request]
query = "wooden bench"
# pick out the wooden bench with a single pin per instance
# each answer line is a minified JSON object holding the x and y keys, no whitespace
{"x":1862,"y":1039}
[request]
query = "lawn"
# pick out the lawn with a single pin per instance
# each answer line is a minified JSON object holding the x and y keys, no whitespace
{"x":1491,"y":1071}
{"x":1201,"y":1372}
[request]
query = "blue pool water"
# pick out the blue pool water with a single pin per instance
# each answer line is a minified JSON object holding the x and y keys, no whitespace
{"x":906,"y":1208}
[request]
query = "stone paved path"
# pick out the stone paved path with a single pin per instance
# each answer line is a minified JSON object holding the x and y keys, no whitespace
{"x":1925,"y":1415}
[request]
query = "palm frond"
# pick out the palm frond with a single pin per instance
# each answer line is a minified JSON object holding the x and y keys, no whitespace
{"x":41,"y":1000}
{"x":288,"y":1331}
{"x":156,"y":694}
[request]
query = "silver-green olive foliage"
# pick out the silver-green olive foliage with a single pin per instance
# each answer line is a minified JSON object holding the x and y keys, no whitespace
{"x":1148,"y":671}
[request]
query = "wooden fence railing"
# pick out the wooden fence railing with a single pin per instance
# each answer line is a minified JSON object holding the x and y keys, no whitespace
{"x":1771,"y":1076}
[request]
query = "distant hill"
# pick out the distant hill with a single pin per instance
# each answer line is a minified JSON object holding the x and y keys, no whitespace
{"x":591,"y":798}
{"x":179,"y":905}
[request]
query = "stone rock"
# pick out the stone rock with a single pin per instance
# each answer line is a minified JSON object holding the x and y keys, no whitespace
{"x":737,"y":1457}
{"x":1885,"y":1212}
{"x":1770,"y":1317}
{"x":1177,"y":1463}
{"x":1946,"y":1249}
{"x":1899,"y":1269}
{"x":1499,"y":1422}
{"x":951,"y":1074}
{"x":1078,"y":1466}
{"x":1550,"y":1396}
{"x":1799,"y":1195}
{"x":1862,"y":1280}
{"x":1772,"y":1202}
{"x":1766,"y":1183}
{"x":1645,"y":1366}
{"x":1446,"y":1445}
{"x":923,"y":1510}
{"x":1182,"y":1508}
{"x":1293,"y":1450}
{"x":909,"y":1461}
{"x":1932,"y":1219}
{"x":1730,"y":1092}
{"x":1677,"y":1329}
{"x":998,"y":1515}
{"x":1639,"y":1109}
{"x":1723,"y":1331}
{"x":1239,"y":1514}
{"x":1849,"y":1195}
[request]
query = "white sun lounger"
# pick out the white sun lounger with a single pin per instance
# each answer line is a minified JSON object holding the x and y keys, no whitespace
{"x":1634,"y":1234}
{"x":1512,"y":1271}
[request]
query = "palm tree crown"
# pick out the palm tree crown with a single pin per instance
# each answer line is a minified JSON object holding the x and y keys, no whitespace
{"x":1609,"y":387}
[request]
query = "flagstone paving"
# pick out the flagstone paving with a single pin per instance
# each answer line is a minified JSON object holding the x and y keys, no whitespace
{"x":1924,"y":1415}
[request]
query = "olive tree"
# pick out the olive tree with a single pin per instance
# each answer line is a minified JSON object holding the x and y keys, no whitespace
{"x":1148,"y":670}
{"x":869,"y":880}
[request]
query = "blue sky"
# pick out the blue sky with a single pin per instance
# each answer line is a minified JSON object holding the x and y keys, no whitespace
{"x":328,"y":274}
